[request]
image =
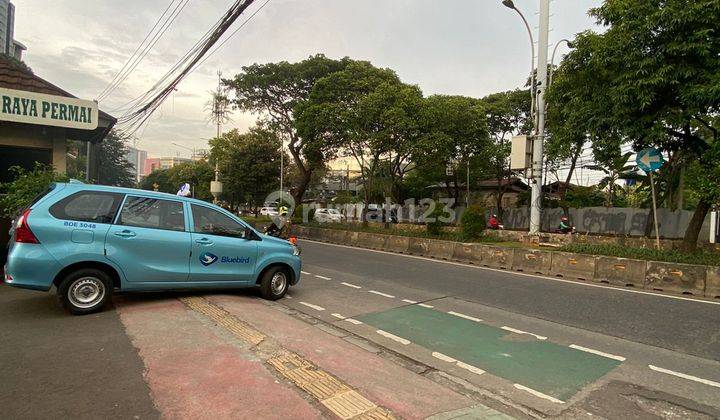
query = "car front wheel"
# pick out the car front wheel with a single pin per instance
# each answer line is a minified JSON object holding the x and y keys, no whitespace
{"x":274,"y":283}
{"x":85,"y":291}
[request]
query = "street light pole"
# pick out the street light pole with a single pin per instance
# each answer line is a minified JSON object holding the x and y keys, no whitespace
{"x":509,"y":4}
{"x":552,"y":58}
{"x":538,"y":86}
{"x":539,"y":139}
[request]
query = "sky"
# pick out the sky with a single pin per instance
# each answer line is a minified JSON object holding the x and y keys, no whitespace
{"x":459,"y":47}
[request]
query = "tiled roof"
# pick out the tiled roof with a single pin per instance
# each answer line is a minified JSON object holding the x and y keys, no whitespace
{"x":14,"y":76}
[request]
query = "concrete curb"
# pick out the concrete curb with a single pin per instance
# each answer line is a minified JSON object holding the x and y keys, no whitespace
{"x":696,"y":280}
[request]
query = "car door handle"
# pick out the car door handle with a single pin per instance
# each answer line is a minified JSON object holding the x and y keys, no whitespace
{"x":126,"y":234}
{"x":204,"y":241}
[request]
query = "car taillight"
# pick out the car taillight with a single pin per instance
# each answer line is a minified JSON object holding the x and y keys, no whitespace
{"x":23,"y":234}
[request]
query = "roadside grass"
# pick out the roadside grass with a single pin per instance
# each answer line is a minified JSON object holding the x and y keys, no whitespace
{"x":421,"y":232}
{"x":699,"y":257}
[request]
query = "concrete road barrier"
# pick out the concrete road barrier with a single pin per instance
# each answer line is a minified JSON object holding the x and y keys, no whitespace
{"x":467,"y":253}
{"x":337,"y":236}
{"x":621,"y":271}
{"x":376,"y":241}
{"x":712,"y":282}
{"x":532,"y":261}
{"x":418,"y":246}
{"x":399,"y":244}
{"x":495,"y":256}
{"x":353,"y":239}
{"x":672,"y":277}
{"x":442,"y":250}
{"x":575,"y":266}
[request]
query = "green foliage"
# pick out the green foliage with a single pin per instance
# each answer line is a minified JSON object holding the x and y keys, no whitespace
{"x":197,"y":174}
{"x":473,"y":222}
{"x":650,"y":77}
{"x":650,"y":254}
{"x":113,"y":169}
{"x":18,"y":194}
{"x":275,"y":91}
{"x":249,"y":165}
{"x":435,"y":224}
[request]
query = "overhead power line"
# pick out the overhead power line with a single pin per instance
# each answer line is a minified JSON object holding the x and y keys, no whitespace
{"x":140,"y":110}
{"x":164,"y":22}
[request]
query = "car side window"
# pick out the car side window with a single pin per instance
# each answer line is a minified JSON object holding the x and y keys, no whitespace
{"x":152,"y":213}
{"x":212,"y":222}
{"x":88,"y":206}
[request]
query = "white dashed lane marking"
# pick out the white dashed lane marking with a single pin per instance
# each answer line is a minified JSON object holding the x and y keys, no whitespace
{"x":310,"y":305}
{"x":516,"y":331}
{"x":685,"y":376}
{"x":393,"y":337}
{"x":470,"y":368}
{"x":338,"y":316}
{"x":305,"y":272}
{"x":353,"y":321}
{"x":409,"y":301}
{"x":460,"y":315}
{"x":539,"y":394}
{"x":598,"y":352}
{"x":354,"y":286}
{"x":443,"y":357}
{"x":375,"y":292}
{"x":322,"y":277}
{"x":425,"y":305}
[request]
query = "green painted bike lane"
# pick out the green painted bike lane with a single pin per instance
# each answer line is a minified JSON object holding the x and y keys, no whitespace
{"x":555,"y":370}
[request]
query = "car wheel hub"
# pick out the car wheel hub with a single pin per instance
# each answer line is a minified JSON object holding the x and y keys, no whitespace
{"x":86,"y":292}
{"x":278,"y":283}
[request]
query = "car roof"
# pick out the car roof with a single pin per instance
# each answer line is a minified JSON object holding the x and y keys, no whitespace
{"x":80,"y":186}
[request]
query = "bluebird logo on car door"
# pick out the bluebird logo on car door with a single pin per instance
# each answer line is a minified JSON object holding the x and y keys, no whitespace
{"x":207,"y":258}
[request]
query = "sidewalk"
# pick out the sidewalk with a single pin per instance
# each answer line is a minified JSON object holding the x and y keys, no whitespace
{"x":236,"y":356}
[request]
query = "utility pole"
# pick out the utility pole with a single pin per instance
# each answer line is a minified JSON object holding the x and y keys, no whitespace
{"x":539,"y":138}
{"x":216,"y":186}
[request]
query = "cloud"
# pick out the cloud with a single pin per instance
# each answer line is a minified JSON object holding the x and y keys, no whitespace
{"x":464,"y":47}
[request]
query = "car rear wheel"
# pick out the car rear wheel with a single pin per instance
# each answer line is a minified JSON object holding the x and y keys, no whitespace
{"x":85,"y":291}
{"x":275,"y":283}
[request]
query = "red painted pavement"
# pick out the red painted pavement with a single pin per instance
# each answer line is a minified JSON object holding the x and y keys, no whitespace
{"x":405,"y":393}
{"x":195,"y":374}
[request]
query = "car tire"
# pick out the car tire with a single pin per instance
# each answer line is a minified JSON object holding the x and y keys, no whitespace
{"x":274,"y":283}
{"x":85,"y":291}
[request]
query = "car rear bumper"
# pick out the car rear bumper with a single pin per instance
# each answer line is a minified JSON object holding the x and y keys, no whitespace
{"x":30,"y":266}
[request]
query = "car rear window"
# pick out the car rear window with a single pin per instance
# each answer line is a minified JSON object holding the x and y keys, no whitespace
{"x":88,"y":206}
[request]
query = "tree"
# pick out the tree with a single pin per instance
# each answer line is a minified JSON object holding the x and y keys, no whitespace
{"x":198,"y":174}
{"x":656,"y":69}
{"x":455,"y":132}
{"x":364,"y":111}
{"x":113,"y":168}
{"x":274,"y":91}
{"x":615,"y":170}
{"x":508,"y":114}
{"x":249,"y":165}
{"x":26,"y":185}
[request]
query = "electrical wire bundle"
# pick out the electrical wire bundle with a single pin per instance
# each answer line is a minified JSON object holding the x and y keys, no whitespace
{"x":139,"y":110}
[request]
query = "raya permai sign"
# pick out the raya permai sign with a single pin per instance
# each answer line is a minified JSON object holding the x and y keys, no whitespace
{"x":37,"y":108}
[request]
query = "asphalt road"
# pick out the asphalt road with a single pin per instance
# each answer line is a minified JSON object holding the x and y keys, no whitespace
{"x":684,"y":326}
{"x":54,"y":365}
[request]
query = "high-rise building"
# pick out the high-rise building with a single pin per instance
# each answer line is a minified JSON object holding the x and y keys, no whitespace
{"x":8,"y":44}
{"x":137,"y":158}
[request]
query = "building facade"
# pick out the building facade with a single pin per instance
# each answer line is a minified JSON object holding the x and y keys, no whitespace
{"x":8,"y":44}
{"x":137,"y":158}
{"x":154,"y":164}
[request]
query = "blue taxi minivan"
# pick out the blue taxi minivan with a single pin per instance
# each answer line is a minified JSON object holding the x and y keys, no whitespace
{"x":91,"y":240}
